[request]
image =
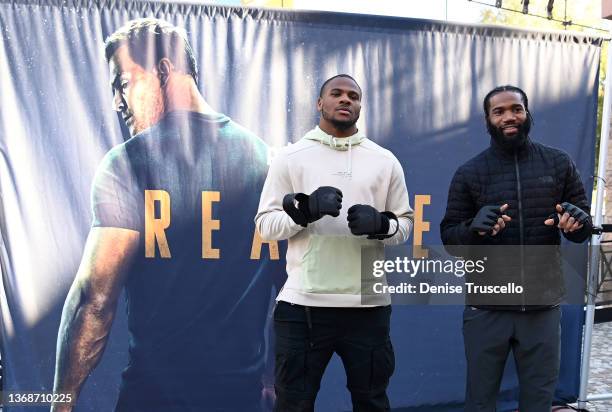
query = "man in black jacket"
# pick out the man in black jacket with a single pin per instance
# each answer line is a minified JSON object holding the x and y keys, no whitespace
{"x":510,"y":203}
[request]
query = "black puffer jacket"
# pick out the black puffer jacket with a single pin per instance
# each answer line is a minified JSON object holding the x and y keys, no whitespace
{"x":531,"y":180}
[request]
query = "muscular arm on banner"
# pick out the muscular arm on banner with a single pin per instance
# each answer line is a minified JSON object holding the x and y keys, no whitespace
{"x":90,"y":307}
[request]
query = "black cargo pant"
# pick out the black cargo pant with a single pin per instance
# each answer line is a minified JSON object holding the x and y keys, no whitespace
{"x":307,"y":337}
{"x":533,"y":337}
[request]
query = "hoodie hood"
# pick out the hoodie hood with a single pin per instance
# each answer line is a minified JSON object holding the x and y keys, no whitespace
{"x":336,"y":143}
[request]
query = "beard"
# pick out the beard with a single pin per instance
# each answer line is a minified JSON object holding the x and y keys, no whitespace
{"x":339,"y":124}
{"x":146,"y":116}
{"x":510,"y":142}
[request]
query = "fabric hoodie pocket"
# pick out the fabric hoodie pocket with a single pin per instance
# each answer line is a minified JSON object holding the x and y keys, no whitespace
{"x":332,"y":264}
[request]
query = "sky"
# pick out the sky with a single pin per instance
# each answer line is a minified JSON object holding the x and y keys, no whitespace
{"x":453,"y":10}
{"x":457,"y":10}
{"x":460,"y":11}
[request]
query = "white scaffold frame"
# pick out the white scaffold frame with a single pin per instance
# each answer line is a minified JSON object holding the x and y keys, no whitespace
{"x":594,"y":266}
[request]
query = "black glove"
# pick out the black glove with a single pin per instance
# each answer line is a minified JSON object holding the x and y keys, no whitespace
{"x":365,"y":220}
{"x":578,"y":214}
{"x":325,"y":200}
{"x":485,"y":219}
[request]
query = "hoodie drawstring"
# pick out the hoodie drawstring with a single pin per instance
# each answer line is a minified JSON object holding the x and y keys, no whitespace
{"x":350,"y":159}
{"x":340,"y":144}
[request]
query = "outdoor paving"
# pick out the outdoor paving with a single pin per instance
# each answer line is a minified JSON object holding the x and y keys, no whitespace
{"x":600,"y":377}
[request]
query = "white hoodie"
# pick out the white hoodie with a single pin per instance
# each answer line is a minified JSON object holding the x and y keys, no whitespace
{"x":324,"y":259}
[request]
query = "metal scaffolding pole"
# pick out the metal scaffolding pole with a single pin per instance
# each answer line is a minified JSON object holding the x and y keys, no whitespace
{"x":595,"y":242}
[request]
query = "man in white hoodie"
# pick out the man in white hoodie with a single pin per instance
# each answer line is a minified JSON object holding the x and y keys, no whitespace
{"x":320,"y":309}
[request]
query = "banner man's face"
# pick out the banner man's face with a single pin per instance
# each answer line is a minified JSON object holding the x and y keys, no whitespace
{"x":137,"y":93}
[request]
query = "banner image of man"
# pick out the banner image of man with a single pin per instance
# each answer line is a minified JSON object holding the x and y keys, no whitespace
{"x":171,"y":206}
{"x":330,"y":194}
{"x":515,"y":199}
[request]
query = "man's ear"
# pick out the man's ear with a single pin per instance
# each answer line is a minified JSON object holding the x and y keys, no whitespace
{"x":164,"y":68}
{"x":319,"y":104}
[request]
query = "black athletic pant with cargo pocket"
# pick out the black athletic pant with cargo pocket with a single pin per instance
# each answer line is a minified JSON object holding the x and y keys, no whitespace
{"x":306,"y":339}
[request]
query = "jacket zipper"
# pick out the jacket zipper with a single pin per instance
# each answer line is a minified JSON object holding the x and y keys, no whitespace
{"x":521,"y":234}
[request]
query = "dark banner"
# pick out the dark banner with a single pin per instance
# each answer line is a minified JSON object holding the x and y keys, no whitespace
{"x":199,"y":275}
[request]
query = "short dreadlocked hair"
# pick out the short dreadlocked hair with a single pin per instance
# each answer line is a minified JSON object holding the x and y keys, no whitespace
{"x":486,"y":103}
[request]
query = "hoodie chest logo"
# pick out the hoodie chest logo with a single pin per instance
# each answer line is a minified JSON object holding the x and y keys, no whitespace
{"x":346,"y":174}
